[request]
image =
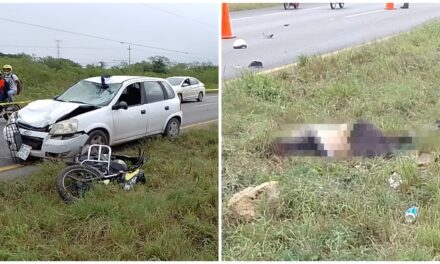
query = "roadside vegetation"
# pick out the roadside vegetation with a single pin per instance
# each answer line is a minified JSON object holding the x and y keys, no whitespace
{"x":248,"y":6}
{"x":174,"y":216}
{"x":47,"y":77}
{"x":330,"y":209}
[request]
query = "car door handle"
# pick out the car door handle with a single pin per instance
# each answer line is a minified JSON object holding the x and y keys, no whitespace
{"x":143,"y":112}
{"x":167,"y":108}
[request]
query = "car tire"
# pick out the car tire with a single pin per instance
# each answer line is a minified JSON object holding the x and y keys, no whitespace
{"x":97,"y":137}
{"x":172,"y":130}
{"x":341,"y":5}
{"x":180,"y":97}
{"x":332,"y":5}
{"x":200,"y":97}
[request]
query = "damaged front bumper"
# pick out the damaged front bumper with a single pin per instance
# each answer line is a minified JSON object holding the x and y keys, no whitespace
{"x":49,"y":146}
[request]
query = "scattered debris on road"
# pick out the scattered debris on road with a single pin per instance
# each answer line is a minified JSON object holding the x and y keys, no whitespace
{"x":256,"y":64}
{"x":268,"y":36}
{"x":239,"y":44}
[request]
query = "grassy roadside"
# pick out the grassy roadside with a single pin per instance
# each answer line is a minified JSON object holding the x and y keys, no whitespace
{"x":336,"y":210}
{"x":247,"y":6}
{"x":172,"y":217}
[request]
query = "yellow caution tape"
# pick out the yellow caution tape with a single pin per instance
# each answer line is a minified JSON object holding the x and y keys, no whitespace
{"x":12,"y":103}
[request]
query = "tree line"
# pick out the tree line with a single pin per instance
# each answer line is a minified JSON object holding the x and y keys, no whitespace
{"x":54,"y":75}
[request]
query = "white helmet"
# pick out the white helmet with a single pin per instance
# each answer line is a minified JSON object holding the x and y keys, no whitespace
{"x":7,"y":70}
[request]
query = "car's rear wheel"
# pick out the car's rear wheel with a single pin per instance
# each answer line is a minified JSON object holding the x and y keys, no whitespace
{"x":200,"y":97}
{"x":172,"y":130}
{"x":98,"y":137}
{"x":341,"y":5}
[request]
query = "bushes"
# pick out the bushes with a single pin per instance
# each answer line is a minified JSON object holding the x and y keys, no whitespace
{"x":48,"y":76}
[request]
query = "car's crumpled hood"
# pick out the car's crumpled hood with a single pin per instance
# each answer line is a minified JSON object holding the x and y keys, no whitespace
{"x":45,"y":112}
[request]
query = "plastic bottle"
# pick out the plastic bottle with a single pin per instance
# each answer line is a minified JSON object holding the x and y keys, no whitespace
{"x":411,"y":214}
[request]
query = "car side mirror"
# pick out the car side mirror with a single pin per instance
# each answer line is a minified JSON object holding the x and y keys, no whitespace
{"x":184,"y":84}
{"x":120,"y":105}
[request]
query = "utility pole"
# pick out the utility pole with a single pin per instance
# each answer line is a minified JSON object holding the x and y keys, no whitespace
{"x":58,"y":48}
{"x":129,"y":54}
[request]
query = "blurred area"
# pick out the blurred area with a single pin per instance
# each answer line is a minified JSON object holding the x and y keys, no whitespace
{"x":357,"y":139}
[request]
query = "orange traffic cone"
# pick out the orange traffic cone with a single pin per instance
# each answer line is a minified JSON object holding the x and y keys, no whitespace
{"x":226,"y":23}
{"x":389,"y":6}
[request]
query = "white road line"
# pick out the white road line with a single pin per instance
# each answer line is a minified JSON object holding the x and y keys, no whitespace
{"x":200,"y":105}
{"x":271,"y":14}
{"x":198,"y":124}
{"x":366,"y":13}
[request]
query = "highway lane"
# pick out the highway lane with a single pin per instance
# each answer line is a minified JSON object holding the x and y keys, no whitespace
{"x":193,"y":112}
{"x":313,"y":29}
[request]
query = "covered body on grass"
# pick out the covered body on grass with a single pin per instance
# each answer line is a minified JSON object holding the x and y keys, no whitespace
{"x":339,"y":140}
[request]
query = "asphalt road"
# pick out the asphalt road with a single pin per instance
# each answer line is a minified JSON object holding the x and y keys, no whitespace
{"x":193,"y":113}
{"x":313,"y":29}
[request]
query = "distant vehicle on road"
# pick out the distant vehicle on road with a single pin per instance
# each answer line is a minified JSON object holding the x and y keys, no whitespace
{"x":334,"y":5}
{"x":290,"y":6}
{"x":106,"y":110}
{"x":187,"y":88}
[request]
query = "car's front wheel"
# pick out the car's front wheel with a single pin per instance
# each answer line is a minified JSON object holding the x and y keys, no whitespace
{"x":200,"y":97}
{"x":172,"y":130}
{"x":97,"y":137}
{"x":180,"y":97}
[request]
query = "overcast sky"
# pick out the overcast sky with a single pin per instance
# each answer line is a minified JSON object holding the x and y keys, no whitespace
{"x":190,"y":28}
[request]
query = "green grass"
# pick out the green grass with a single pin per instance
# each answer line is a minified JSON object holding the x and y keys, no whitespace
{"x":172,"y":217}
{"x":247,"y":6}
{"x":336,"y":209}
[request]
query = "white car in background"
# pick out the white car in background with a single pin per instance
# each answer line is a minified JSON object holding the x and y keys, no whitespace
{"x":187,"y":88}
{"x":106,"y":110}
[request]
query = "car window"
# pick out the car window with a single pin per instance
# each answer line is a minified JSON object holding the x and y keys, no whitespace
{"x":194,"y":81}
{"x":187,"y":82}
{"x":169,"y":90}
{"x":90,"y":93}
{"x":153,"y":92}
{"x":175,"y":80}
{"x":131,"y":94}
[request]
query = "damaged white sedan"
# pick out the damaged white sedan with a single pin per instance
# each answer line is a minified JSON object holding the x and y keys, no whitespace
{"x":99,"y":110}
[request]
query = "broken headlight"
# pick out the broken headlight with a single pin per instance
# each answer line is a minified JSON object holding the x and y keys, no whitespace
{"x":64,"y":127}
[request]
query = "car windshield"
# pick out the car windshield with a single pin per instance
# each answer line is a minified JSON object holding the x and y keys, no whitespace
{"x":90,"y":93}
{"x":175,"y":80}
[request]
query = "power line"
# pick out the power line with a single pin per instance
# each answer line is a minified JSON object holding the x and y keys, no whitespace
{"x":179,"y":15}
{"x":92,"y":36}
{"x":64,"y":47}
